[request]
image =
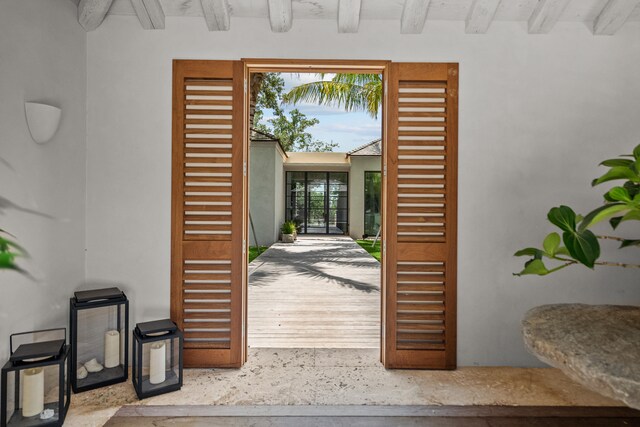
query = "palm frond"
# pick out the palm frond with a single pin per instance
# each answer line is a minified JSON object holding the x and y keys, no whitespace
{"x":354,"y":92}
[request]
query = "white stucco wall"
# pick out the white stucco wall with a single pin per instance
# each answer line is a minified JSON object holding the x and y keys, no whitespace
{"x":262,"y":192}
{"x":279,"y":194}
{"x":42,"y":59}
{"x":537,"y":113}
{"x":359,"y":165}
{"x":266,"y":186}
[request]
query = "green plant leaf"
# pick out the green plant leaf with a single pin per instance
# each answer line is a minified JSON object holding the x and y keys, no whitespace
{"x":6,"y":244}
{"x":583,"y":246}
{"x":562,"y":250}
{"x":536,"y":253}
{"x":551,"y":243}
{"x":616,"y":172}
{"x":563,"y":217}
{"x":617,"y":162}
{"x":632,"y":188}
{"x":601,"y":213}
{"x":615,"y":221}
{"x":631,"y":216}
{"x":619,"y":194}
{"x":629,"y":242}
{"x":636,"y":152}
{"x":6,"y":260}
{"x":535,"y":266}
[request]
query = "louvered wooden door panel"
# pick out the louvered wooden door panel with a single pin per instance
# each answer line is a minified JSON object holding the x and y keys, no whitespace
{"x":420,"y":232}
{"x":208,"y":210}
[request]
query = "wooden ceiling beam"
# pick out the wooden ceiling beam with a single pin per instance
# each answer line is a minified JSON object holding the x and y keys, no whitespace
{"x":349,"y":16}
{"x":91,"y":13}
{"x":414,"y":15}
{"x":150,"y":14}
{"x":546,"y":15}
{"x":280,"y":15}
{"x":216,"y":13}
{"x":613,"y":16}
{"x":480,"y":16}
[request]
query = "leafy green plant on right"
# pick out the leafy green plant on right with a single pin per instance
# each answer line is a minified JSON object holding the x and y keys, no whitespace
{"x":576,"y":243}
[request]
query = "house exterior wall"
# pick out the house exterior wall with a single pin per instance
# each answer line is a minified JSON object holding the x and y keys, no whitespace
{"x":359,"y":165}
{"x":537,"y":114}
{"x":266,"y":185}
{"x":279,"y":195}
{"x":43,"y":59}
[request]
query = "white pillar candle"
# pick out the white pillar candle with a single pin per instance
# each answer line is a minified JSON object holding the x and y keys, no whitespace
{"x":32,"y":392}
{"x":111,"y":349}
{"x":157,"y":363}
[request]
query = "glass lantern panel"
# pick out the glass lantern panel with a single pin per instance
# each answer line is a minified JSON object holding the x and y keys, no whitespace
{"x":100,"y":344}
{"x":37,"y":398}
{"x":160,"y":364}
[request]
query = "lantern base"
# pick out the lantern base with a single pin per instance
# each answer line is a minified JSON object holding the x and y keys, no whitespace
{"x":18,"y":420}
{"x":146,"y":389}
{"x":107,"y":376}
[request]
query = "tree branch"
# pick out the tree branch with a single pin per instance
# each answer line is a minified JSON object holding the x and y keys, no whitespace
{"x":617,"y":264}
{"x":618,"y":239}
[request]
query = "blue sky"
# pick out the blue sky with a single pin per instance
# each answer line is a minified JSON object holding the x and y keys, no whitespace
{"x":348,"y":130}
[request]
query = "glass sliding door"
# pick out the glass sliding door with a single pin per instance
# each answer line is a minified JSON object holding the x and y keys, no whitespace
{"x":372,"y":194}
{"x":318,"y":202}
{"x":338,"y":203}
{"x":296,"y":200}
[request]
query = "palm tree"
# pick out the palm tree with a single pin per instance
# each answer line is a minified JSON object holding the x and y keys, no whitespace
{"x":354,"y":92}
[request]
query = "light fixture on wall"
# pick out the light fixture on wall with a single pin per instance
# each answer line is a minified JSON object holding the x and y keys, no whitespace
{"x":43,"y":120}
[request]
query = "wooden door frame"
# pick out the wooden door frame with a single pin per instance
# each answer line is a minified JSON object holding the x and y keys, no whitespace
{"x":239,"y":73}
{"x":270,"y":65}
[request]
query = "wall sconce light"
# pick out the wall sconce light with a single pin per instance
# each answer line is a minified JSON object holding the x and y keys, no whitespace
{"x":43,"y":120}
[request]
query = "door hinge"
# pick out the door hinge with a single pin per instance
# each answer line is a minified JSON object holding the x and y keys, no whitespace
{"x":245,"y":86}
{"x":384,"y":248}
{"x":385,"y":170}
{"x":244,"y":168}
{"x":244,"y":247}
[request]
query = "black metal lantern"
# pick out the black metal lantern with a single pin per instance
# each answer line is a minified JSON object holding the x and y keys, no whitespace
{"x":35,"y":381}
{"x":99,"y":338}
{"x":157,"y":358}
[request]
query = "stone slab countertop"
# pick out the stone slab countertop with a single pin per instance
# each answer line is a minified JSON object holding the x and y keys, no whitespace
{"x":596,"y":345}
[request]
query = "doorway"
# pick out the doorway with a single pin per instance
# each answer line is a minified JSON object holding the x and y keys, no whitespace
{"x":210,"y":220}
{"x":318,"y":202}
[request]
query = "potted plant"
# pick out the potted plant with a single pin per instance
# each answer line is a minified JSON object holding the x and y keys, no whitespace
{"x":288,"y":229}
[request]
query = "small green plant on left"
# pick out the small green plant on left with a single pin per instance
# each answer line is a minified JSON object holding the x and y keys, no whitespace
{"x":9,"y":251}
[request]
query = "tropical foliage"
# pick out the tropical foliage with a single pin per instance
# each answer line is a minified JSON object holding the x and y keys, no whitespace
{"x":353,"y":92}
{"x":578,"y":244}
{"x":290,"y":129}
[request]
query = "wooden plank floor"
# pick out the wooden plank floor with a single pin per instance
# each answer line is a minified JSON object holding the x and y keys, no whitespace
{"x":320,"y":292}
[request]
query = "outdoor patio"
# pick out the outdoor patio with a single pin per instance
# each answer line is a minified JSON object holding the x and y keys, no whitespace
{"x":321,"y":291}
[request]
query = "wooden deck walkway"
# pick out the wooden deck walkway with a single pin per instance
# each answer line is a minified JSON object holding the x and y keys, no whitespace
{"x":320,"y":292}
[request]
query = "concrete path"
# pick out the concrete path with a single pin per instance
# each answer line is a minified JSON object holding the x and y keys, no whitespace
{"x":320,"y":292}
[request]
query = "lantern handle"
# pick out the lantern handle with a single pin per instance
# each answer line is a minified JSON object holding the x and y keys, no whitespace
{"x":34,"y":332}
